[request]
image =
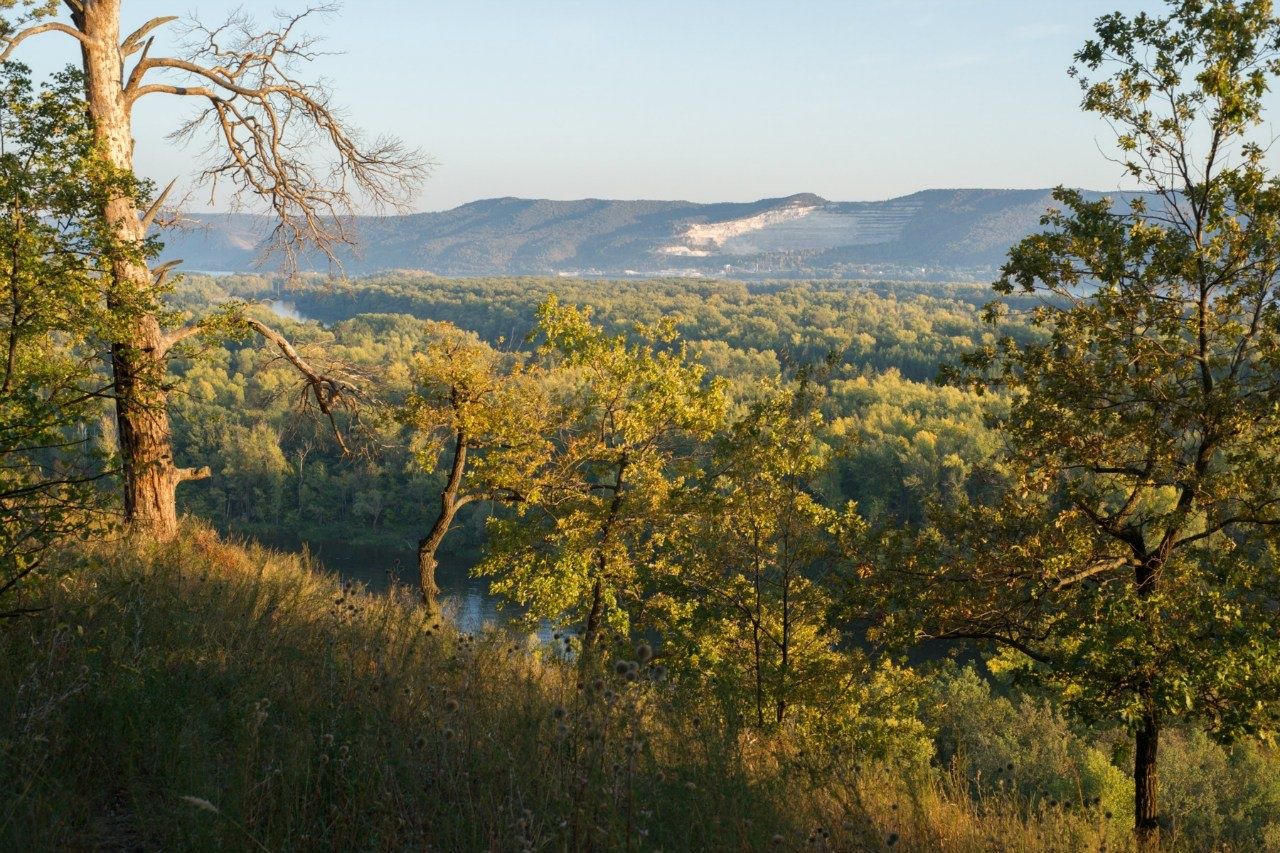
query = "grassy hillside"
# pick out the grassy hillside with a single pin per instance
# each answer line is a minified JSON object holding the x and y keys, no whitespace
{"x":209,"y":696}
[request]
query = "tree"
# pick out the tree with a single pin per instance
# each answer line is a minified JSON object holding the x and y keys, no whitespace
{"x":580,"y":546}
{"x":1133,"y":565}
{"x":747,"y":605}
{"x":483,"y":415}
{"x":269,"y":132}
{"x":52,"y":321}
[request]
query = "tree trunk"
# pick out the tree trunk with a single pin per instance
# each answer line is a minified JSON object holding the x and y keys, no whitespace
{"x":1146,"y":820}
{"x":303,"y":453}
{"x":755,"y":641}
{"x":146,"y":443}
{"x":449,"y":505}
{"x":1146,"y":815}
{"x":784,"y":667}
{"x":594,"y":616}
{"x":427,"y":566}
{"x":138,"y":360}
{"x":757,"y":620}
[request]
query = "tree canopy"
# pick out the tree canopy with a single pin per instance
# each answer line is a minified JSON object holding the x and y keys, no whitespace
{"x":53,"y":322}
{"x":1132,"y":562}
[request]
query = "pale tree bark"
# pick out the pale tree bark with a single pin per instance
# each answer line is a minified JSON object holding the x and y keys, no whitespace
{"x":265,"y":125}
{"x":146,"y":441}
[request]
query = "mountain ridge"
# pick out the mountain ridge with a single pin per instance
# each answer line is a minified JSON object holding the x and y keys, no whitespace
{"x":936,"y":233}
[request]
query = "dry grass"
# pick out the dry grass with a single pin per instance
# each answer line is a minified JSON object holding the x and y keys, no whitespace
{"x":206,"y":695}
{"x":312,"y":715}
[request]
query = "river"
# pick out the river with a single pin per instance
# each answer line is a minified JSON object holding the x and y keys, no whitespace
{"x":465,"y":598}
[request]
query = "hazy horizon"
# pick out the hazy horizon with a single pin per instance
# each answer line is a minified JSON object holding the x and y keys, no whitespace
{"x":707,"y":102}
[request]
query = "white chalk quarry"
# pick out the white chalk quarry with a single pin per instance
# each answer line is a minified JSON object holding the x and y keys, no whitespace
{"x":797,"y":226}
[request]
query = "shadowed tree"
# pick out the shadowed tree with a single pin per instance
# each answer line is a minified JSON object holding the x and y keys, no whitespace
{"x":1133,"y":565}
{"x":747,"y":604}
{"x":274,"y":139}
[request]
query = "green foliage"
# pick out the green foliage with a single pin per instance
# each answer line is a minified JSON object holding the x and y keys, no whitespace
{"x":493,"y":403}
{"x":747,"y":609}
{"x":375,"y":494}
{"x":759,"y":326}
{"x":1131,"y":565}
{"x":1227,"y":798}
{"x":1020,"y":747}
{"x":614,"y":489}
{"x":1023,"y":748}
{"x":53,"y":250}
{"x":905,"y":444}
{"x":26,"y":12}
{"x":897,"y":434}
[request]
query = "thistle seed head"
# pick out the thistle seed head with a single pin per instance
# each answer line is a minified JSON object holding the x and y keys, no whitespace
{"x":201,"y":803}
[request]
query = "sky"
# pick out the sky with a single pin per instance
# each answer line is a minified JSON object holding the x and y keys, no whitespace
{"x":705,"y":100}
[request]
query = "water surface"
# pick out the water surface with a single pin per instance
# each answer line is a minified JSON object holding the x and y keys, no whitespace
{"x":464,"y":597}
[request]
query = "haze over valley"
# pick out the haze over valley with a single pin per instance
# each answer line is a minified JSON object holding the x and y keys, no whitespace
{"x":948,"y":235}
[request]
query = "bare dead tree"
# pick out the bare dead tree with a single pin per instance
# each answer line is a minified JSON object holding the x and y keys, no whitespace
{"x":264,"y":127}
{"x":276,"y":139}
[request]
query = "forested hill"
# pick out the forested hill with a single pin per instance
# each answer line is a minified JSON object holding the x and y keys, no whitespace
{"x":934,"y":234}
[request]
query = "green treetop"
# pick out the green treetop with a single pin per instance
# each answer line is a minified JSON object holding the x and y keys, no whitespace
{"x":747,"y":606}
{"x":634,"y":415}
{"x":485,"y":417}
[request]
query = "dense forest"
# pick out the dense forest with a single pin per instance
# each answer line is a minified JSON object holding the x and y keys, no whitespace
{"x":825,"y":565}
{"x":874,"y":349}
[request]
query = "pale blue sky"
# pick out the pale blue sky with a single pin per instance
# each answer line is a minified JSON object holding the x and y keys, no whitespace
{"x":708,"y":100}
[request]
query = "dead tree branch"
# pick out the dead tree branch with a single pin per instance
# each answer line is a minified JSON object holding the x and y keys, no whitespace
{"x":275,"y":138}
{"x":10,"y":42}
{"x":329,"y":392}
